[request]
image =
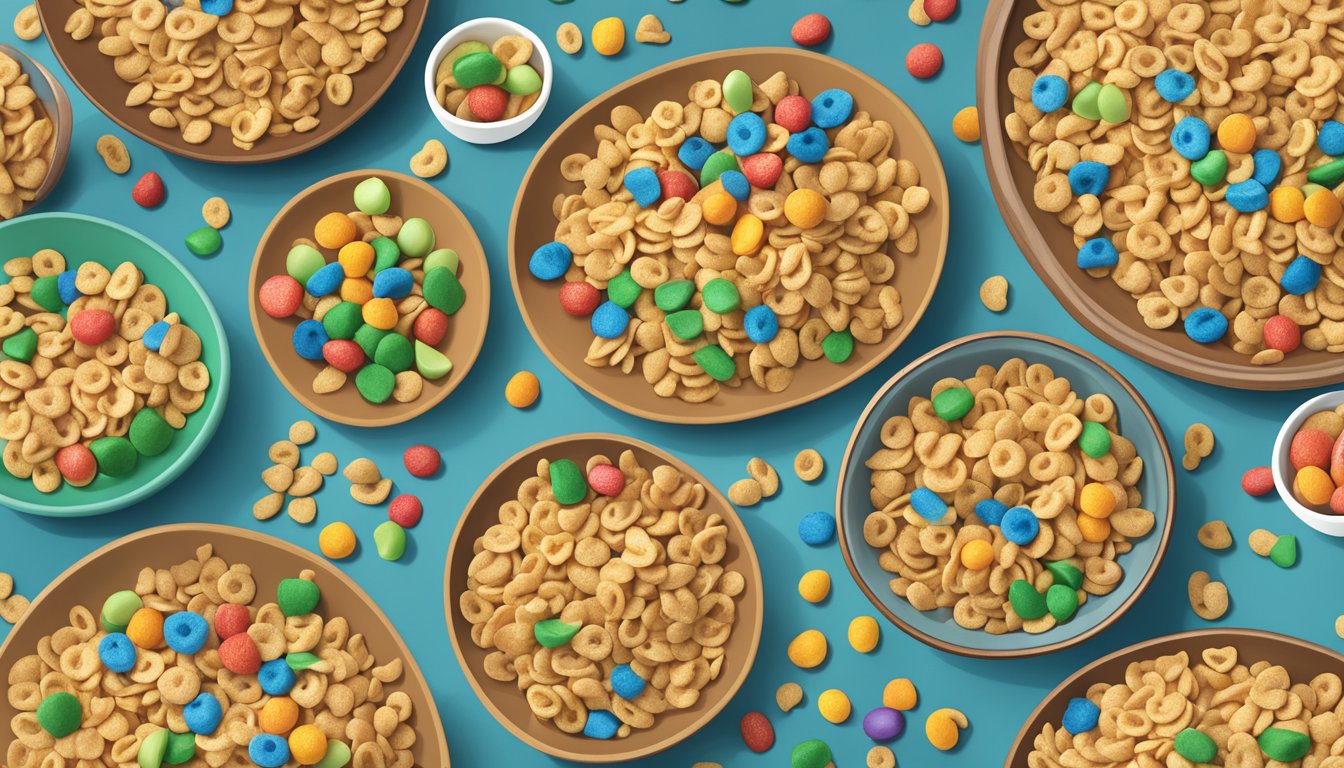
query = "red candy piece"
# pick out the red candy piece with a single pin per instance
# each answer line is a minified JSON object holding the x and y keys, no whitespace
{"x":1310,"y":448}
{"x":677,"y":184}
{"x":430,"y":326}
{"x":1282,"y":334}
{"x":239,"y":655}
{"x":606,"y":479}
{"x":405,"y":510}
{"x":1258,"y":481}
{"x":757,"y":732}
{"x":343,"y":355}
{"x":280,"y":296}
{"x":1337,"y":461}
{"x":92,"y":326}
{"x":940,"y":10}
{"x":421,"y":460}
{"x":924,"y":60}
{"x":793,"y":114}
{"x":1337,"y":501}
{"x":149,"y":191}
{"x":762,"y":169}
{"x":231,"y":619}
{"x":76,"y":464}
{"x":579,"y":298}
{"x":487,"y":102}
{"x":812,"y":29}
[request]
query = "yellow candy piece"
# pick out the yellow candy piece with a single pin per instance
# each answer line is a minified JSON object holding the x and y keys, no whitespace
{"x":805,"y":208}
{"x":380,"y":313}
{"x":900,"y":694}
{"x":1096,"y":500}
{"x":1286,"y":203}
{"x":522,"y":390}
{"x":834,"y":706}
{"x":719,"y":208}
{"x":278,"y":715}
{"x":1236,"y":133}
{"x":966,"y":124}
{"x":334,"y":230}
{"x":808,"y":649}
{"x":864,"y":633}
{"x":356,"y":258}
{"x":815,"y":586}
{"x":356,"y":289}
{"x":1322,"y":208}
{"x":146,"y":629}
{"x":1094,"y":529}
{"x":307,"y":745}
{"x":747,"y":234}
{"x":609,"y":36}
{"x":1312,"y":482}
{"x":977,"y":555}
{"x":337,"y":541}
{"x":944,"y":728}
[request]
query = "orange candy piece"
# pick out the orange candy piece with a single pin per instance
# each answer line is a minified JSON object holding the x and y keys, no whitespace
{"x":279,"y":715}
{"x":747,"y":234}
{"x":1285,"y":204}
{"x":335,"y":230}
{"x":1094,"y":529}
{"x":805,"y":208}
{"x":1237,"y":133}
{"x":307,"y":745}
{"x":1096,"y":500}
{"x":1322,"y":208}
{"x":356,"y":258}
{"x":380,"y":313}
{"x":146,"y":629}
{"x":966,"y":124}
{"x":1314,"y":485}
{"x":977,"y":555}
{"x":719,"y":208}
{"x":356,"y":289}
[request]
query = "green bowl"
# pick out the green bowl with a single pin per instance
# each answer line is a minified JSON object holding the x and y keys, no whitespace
{"x":84,"y":238}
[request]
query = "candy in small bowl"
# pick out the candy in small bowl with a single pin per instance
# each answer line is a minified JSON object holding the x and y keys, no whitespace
{"x":1308,"y":464}
{"x":488,"y":80}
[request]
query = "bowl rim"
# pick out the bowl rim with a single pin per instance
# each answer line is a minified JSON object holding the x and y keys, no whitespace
{"x":221,"y":379}
{"x":754,"y":578}
{"x":58,"y":110}
{"x":305,"y":399}
{"x":960,"y":650}
{"x":1281,"y":483}
{"x":938,"y":188}
{"x":438,"y":52}
{"x":1112,"y":330}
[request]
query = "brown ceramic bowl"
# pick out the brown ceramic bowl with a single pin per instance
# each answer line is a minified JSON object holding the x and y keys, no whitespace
{"x":55,"y":105}
{"x":466,"y":329}
{"x":115,"y":566}
{"x":1303,"y":661}
{"x":565,"y":339}
{"x":505,"y":701}
{"x":1102,"y":307}
{"x":93,"y":73}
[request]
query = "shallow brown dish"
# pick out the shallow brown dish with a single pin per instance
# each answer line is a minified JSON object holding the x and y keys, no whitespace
{"x":466,"y":329}
{"x":92,"y":72}
{"x":55,"y":105}
{"x":565,"y":339}
{"x":1303,"y":661}
{"x":505,"y":701}
{"x":116,"y":565}
{"x":1102,"y":307}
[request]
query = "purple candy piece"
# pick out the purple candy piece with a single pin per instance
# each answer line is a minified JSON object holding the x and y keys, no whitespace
{"x":883,"y":724}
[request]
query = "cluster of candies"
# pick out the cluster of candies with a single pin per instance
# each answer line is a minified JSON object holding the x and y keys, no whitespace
{"x":485,"y":83}
{"x":1318,"y":460}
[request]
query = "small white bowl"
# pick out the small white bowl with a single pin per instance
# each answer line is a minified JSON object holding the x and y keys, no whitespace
{"x":488,"y":30}
{"x":1331,"y":525}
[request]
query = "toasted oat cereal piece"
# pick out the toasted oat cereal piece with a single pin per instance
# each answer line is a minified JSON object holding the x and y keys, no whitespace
{"x":430,"y":160}
{"x":277,"y":477}
{"x":303,"y":510}
{"x":6,"y":585}
{"x":745,"y":492}
{"x":1215,"y":535}
{"x":371,"y":494}
{"x":362,"y":471}
{"x":1208,"y":599}
{"x":1198,"y":445}
{"x":880,"y":756}
{"x":994,"y":293}
{"x":808,"y":465}
{"x":569,"y":37}
{"x":328,"y":380}
{"x":307,"y":481}
{"x":268,"y":506}
{"x":917,"y":14}
{"x":325,"y":463}
{"x":302,"y":432}
{"x":12,"y":608}
{"x":216,"y":212}
{"x":650,"y":30}
{"x":284,"y":452}
{"x":760,"y":470}
{"x":114,"y":153}
{"x":1262,"y":541}
{"x":1339,"y":627}
{"x":27,"y":24}
{"x":788,"y":696}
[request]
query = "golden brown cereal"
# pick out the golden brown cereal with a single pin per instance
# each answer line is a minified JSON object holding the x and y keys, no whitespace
{"x":302,"y":432}
{"x":1215,"y":535}
{"x":27,"y":142}
{"x":277,"y":477}
{"x":808,"y":465}
{"x":1262,"y":541}
{"x":650,"y":30}
{"x":917,"y":14}
{"x":1339,"y":627}
{"x":760,"y":470}
{"x":1208,"y":599}
{"x":12,"y":608}
{"x":307,"y":481}
{"x":284,"y":452}
{"x":371,"y":494}
{"x":268,"y":506}
{"x":6,"y":585}
{"x":569,"y":37}
{"x":325,"y":463}
{"x":745,"y":492}
{"x":430,"y":160}
{"x":880,"y":756}
{"x":994,"y":293}
{"x":114,"y":153}
{"x":27,"y":24}
{"x":216,"y":212}
{"x":362,"y":471}
{"x":303,"y":510}
{"x":1198,"y":445}
{"x":788,"y":696}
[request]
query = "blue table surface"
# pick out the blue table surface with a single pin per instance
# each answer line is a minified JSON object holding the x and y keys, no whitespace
{"x":476,"y":430}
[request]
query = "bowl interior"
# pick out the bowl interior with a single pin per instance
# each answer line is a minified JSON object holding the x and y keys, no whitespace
{"x":960,"y":359}
{"x":83,"y":238}
{"x":116,"y":565}
{"x":565,"y":339}
{"x":505,"y":701}
{"x":466,"y":329}
{"x":1283,"y":471}
{"x":489,"y":30}
{"x":56,"y":106}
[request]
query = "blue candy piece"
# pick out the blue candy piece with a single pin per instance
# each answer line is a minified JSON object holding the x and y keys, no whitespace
{"x":746,"y":134}
{"x":1267,"y":166}
{"x":1098,"y":252}
{"x":1247,"y":196}
{"x":643,"y":184}
{"x":1330,"y":139}
{"x":626,"y":683}
{"x":203,"y":714}
{"x":1173,"y":85}
{"x":1190,"y":138}
{"x":1205,"y":325}
{"x":550,"y":262}
{"x":735,"y":183}
{"x":1301,"y":276}
{"x":117,"y":652}
{"x":309,"y":336}
{"x":153,"y":337}
{"x":276,"y":677}
{"x":1080,"y":716}
{"x":217,"y":7}
{"x":268,"y":750}
{"x":65,"y":286}
{"x":326,"y":280}
{"x":1020,"y":526}
{"x":928,"y":504}
{"x":393,"y":283}
{"x":761,"y":324}
{"x":991,"y":511}
{"x":1049,"y":93}
{"x":1088,"y":177}
{"x":809,"y":146}
{"x":694,"y":152}
{"x":601,"y":724}
{"x":609,"y":320}
{"x":832,"y":108}
{"x":817,"y":528}
{"x":186,"y":632}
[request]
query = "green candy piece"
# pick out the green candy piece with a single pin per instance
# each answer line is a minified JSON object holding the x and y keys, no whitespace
{"x":385,"y":254}
{"x":553,"y":633}
{"x":1284,"y":745}
{"x":443,"y":257}
{"x":338,"y":755}
{"x":522,"y":80}
{"x":477,"y":69}
{"x":720,"y":296}
{"x":116,"y":456}
{"x":301,"y":660}
{"x":390,"y":540}
{"x":47,"y":293}
{"x":673,"y":295}
{"x":430,"y":362}
{"x":838,"y":346}
{"x":686,"y":324}
{"x":720,"y":161}
{"x":372,"y":196}
{"x":1328,"y":174}
{"x":1085,"y":103}
{"x":1111,"y":104}
{"x":1211,"y":169}
{"x":297,"y":597}
{"x":737,"y":91}
{"x":714,"y":361}
{"x":303,"y":261}
{"x":445,"y":67}
{"x":153,"y":749}
{"x":149,"y":433}
{"x":21,"y":346}
{"x":623,"y":290}
{"x":416,"y":238}
{"x":443,"y":291}
{"x":1284,"y":551}
{"x":60,"y":714}
{"x":1026,"y":601}
{"x":953,"y":403}
{"x":1195,"y":746}
{"x":119,"y":607}
{"x":1065,"y":573}
{"x":1062,"y":602}
{"x":1095,"y":439}
{"x":395,"y":353}
{"x":567,"y":482}
{"x":181,"y":748}
{"x":204,"y":241}
{"x":368,"y":338}
{"x":813,"y":753}
{"x":375,"y":383}
{"x":342,"y":320}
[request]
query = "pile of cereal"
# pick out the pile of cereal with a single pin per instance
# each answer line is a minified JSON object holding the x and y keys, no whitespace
{"x":252,"y":67}
{"x":603,"y":594}
{"x":1006,"y":497}
{"x":1217,"y":711}
{"x":1316,"y":454}
{"x":27,"y":139}
{"x":1198,"y":164}
{"x":183,"y":669}
{"x":380,"y":310}
{"x":738,"y":262}
{"x":484,"y":83}
{"x":98,"y":372}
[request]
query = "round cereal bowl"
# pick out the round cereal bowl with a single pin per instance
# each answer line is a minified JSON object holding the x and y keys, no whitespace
{"x":959,"y":359}
{"x":94,"y":74}
{"x":488,"y":29}
{"x":466,"y":331}
{"x":505,"y":701}
{"x":1107,"y":311}
{"x":116,"y":566}
{"x":1302,"y":659}
{"x":85,"y":238}
{"x":56,"y":105}
{"x":1282,"y":468}
{"x":565,"y":339}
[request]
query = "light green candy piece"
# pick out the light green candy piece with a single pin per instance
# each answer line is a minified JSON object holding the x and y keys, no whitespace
{"x":737,"y":91}
{"x":1085,"y":103}
{"x":338,"y":755}
{"x":390,"y":540}
{"x":443,"y":257}
{"x":430,"y":362}
{"x":1111,"y":104}
{"x":119,"y":608}
{"x":522,"y":80}
{"x":372,"y":196}
{"x":553,"y":633}
{"x":1309,"y":189}
{"x":1211,"y":169}
{"x":301,"y":660}
{"x":416,"y":238}
{"x":686,"y":324}
{"x":303,"y":261}
{"x":152,"y":749}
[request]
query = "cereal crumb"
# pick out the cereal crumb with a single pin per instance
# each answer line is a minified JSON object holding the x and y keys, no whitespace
{"x":1209,"y":599}
{"x":650,"y":30}
{"x":1198,"y":445}
{"x":1215,"y":535}
{"x":788,"y":696}
{"x":808,"y":465}
{"x":27,"y":24}
{"x":994,"y":293}
{"x":430,"y":160}
{"x":114,"y":153}
{"x":12,"y":608}
{"x":216,"y":212}
{"x":745,"y":492}
{"x":569,"y":37}
{"x":302,"y":432}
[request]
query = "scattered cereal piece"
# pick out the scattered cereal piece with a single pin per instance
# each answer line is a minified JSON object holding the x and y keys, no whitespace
{"x":337,"y":541}
{"x":966,"y":124}
{"x":811,"y":30}
{"x":864,"y":634}
{"x":943,"y":728}
{"x":880,"y":756}
{"x":6,"y":585}
{"x":917,"y":14}
{"x":325,"y":463}
{"x":814,"y":586}
{"x":1198,"y":445}
{"x":371,"y":494}
{"x":924,"y":60}
{"x":216,"y":212}
{"x":1208,"y":599}
{"x":569,"y":37}
{"x":12,"y":608}
{"x":302,"y":510}
{"x":757,"y":732}
{"x":900,"y":694}
{"x":430,"y":160}
{"x":522,"y":390}
{"x":362,"y":471}
{"x":149,"y":191}
{"x":650,"y":30}
{"x":278,"y":477}
{"x":745,"y":492}
{"x":1262,"y":541}
{"x":790,"y":695}
{"x":608,"y":36}
{"x":27,"y":24}
{"x":1215,"y":535}
{"x":808,"y":649}
{"x":114,"y":153}
{"x":994,"y":293}
{"x":760,"y":470}
{"x":1339,"y":627}
{"x":808,"y":465}
{"x":834,"y":706}
{"x":302,"y":432}
{"x":268,"y":506}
